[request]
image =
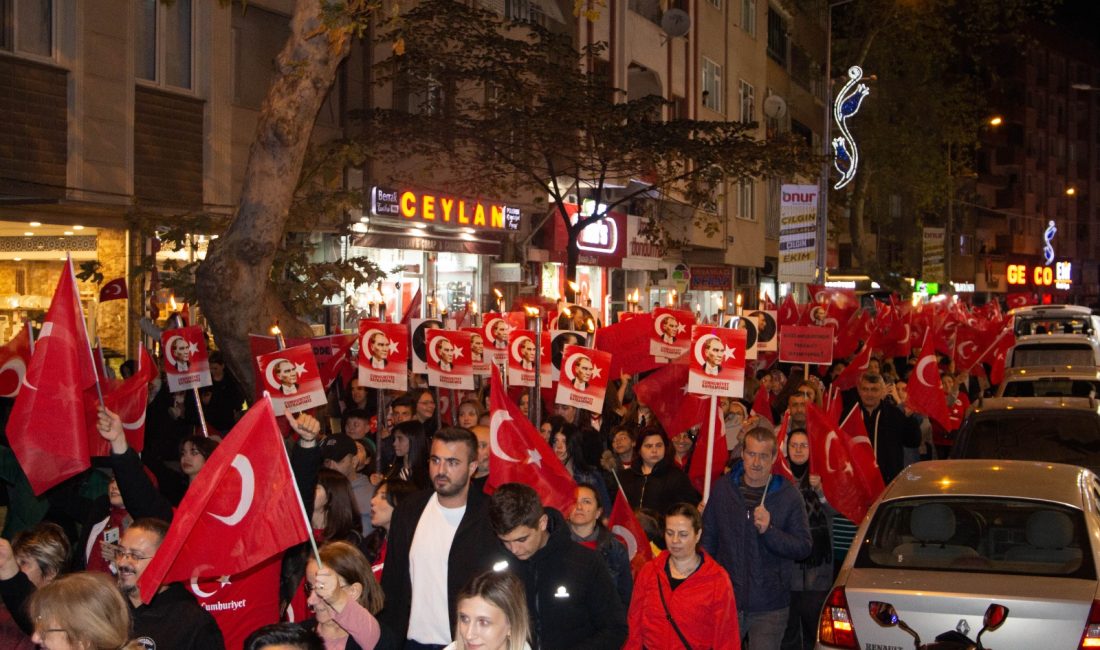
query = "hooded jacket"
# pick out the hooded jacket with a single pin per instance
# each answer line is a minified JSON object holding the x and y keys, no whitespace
{"x":659,"y":490}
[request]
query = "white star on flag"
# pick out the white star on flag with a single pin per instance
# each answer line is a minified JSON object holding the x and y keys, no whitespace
{"x":194,"y":347}
{"x":729,"y":353}
{"x":300,"y":368}
{"x":458,"y":352}
{"x":393,"y":346}
{"x":595,"y":372}
{"x":679,"y":327}
{"x":534,"y":457}
{"x":224,"y":580}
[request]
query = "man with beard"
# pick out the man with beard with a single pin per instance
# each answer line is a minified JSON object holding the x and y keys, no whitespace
{"x":438,"y":537}
{"x":173,"y":619}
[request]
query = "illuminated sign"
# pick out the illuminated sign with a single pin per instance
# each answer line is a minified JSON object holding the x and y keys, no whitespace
{"x":442,"y":209}
{"x":598,"y":237}
{"x":1059,"y":277}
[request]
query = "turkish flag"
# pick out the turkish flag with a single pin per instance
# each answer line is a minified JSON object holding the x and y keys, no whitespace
{"x":518,"y":454}
{"x":47,"y":426}
{"x":858,"y":328}
{"x":15,"y":356}
{"x":829,"y":459}
{"x":129,"y":400}
{"x":113,"y":290}
{"x":789,"y":312}
{"x":782,"y":465}
{"x":413,"y":311}
{"x":1014,"y":300}
{"x":339,"y":365}
{"x":925,"y":388}
{"x":625,"y":526}
{"x":996,"y":354}
{"x":227,"y":523}
{"x":257,"y":589}
{"x":762,"y":404}
{"x":665,"y":393}
{"x":628,"y":343}
{"x":970,"y":342}
{"x":697,"y":471}
{"x":849,"y":377}
{"x":862,"y":453}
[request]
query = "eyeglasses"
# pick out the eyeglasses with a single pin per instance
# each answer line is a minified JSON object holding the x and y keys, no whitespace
{"x":308,"y":588}
{"x":121,"y":552}
{"x":799,"y":445}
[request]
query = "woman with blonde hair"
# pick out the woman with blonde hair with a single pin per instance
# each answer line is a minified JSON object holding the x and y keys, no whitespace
{"x":82,"y":611}
{"x":344,"y":597}
{"x":492,"y":614}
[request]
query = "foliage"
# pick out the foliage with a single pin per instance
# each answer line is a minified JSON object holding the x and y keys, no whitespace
{"x":507,"y":109}
{"x":918,"y":133}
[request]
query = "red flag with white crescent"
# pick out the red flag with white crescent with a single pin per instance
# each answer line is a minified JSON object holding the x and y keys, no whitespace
{"x":113,"y":290}
{"x":862,"y":453}
{"x":829,"y":459}
{"x":926,"y":393}
{"x":15,"y":357}
{"x":782,"y":465}
{"x":625,"y":526}
{"x":244,"y":503}
{"x":518,"y":454}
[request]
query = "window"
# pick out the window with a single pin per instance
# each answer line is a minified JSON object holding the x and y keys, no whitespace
{"x":746,"y":201}
{"x":258,"y":36}
{"x":748,"y":17}
{"x":26,"y":27}
{"x":163,"y":42}
{"x":712,"y":85}
{"x":777,"y":36}
{"x":746,"y":96}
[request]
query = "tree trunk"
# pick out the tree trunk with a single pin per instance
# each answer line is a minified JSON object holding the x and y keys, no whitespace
{"x":233,"y":282}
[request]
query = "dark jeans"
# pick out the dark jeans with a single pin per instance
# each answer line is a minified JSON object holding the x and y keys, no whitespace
{"x":802,"y":621}
{"x":762,"y":630}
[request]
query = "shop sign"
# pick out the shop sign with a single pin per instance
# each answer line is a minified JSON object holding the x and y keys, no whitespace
{"x":429,"y":244}
{"x":1060,"y":276}
{"x":798,"y":233}
{"x":599,"y":244}
{"x":641,"y":254}
{"x":932,"y":265}
{"x":711,"y":278}
{"x":443,"y":209}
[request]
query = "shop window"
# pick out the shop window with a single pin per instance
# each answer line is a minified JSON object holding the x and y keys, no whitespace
{"x":712,"y":85}
{"x":746,"y":201}
{"x":26,"y":27}
{"x":163,"y":41}
{"x":748,"y":17}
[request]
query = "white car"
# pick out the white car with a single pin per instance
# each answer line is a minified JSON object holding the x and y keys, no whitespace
{"x":1053,"y":381}
{"x":949,"y":538}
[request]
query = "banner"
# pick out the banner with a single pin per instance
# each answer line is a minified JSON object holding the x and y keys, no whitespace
{"x":806,"y":344}
{"x":383,"y":355}
{"x":670,"y":335}
{"x":767,"y":330}
{"x":420,"y":326}
{"x":717,"y":362}
{"x":449,"y":361}
{"x":521,"y":359}
{"x":185,"y":359}
{"x":583,"y":379}
{"x":479,"y":356}
{"x":798,"y":233}
{"x":932,"y":262}
{"x":292,"y":379}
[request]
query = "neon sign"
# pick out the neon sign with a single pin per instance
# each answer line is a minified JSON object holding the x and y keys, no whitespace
{"x":442,"y":209}
{"x":848,"y":101}
{"x":1048,"y":237}
{"x":1060,"y":276}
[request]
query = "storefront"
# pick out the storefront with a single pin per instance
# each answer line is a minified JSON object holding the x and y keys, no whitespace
{"x":434,"y":247}
{"x":601,"y":251}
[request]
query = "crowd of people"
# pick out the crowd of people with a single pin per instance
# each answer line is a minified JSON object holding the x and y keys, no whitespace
{"x":413,"y":553}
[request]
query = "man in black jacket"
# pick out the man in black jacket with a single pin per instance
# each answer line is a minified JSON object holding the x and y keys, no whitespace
{"x":572,"y":601}
{"x":438,"y":540}
{"x":889,"y":429}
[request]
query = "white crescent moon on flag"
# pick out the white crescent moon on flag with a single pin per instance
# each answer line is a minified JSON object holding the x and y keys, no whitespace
{"x":269,"y":372}
{"x":364,"y":342}
{"x":921,"y":365}
{"x":168,"y":356}
{"x":494,"y":428}
{"x":657,"y":323}
{"x":248,"y":491}
{"x":16,"y":365}
{"x":433,"y":349}
{"x":136,"y":424}
{"x":568,"y":363}
{"x":112,"y":290}
{"x":195,"y":584}
{"x":517,"y":344}
{"x":489,"y":327}
{"x":628,"y":538}
{"x":828,"y":444}
{"x":701,"y":344}
{"x":963,"y":348}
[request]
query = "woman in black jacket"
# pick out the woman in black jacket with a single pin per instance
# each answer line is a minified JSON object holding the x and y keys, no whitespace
{"x":653,"y":481}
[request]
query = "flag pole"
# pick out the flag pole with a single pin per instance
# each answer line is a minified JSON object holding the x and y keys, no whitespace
{"x":294,"y":483}
{"x":710,"y":447}
{"x":84,"y":324}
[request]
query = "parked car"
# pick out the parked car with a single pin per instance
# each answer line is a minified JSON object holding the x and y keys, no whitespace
{"x":949,"y":538}
{"x":1053,"y":381}
{"x":1054,"y":350}
{"x":1052,"y":429}
{"x":1054,"y":319}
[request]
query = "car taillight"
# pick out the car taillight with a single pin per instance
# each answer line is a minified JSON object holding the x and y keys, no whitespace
{"x":1090,"y":638}
{"x":835,"y":628}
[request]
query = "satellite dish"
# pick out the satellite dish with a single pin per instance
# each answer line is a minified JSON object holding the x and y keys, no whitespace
{"x":775,"y":107}
{"x":675,"y":22}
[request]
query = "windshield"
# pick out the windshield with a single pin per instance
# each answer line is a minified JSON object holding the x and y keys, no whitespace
{"x":979,"y":534}
{"x":1056,"y":436}
{"x":1061,"y":354}
{"x":1051,"y":387}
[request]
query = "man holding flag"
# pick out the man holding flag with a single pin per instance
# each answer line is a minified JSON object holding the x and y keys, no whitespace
{"x":755,"y":526}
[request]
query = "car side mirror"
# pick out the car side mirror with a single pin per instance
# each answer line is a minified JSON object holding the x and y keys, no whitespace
{"x":883,"y":613}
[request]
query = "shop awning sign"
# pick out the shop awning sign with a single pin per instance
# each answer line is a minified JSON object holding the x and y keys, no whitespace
{"x":443,"y":209}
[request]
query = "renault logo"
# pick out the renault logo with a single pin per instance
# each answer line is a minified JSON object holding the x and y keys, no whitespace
{"x":963,"y":627}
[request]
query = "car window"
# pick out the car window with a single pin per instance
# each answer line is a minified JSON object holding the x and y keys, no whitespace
{"x":1056,"y":436}
{"x":1066,"y":325}
{"x":979,"y":534}
{"x":1051,"y":387}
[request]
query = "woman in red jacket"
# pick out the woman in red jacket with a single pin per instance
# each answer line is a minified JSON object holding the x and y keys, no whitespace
{"x":686,"y":585}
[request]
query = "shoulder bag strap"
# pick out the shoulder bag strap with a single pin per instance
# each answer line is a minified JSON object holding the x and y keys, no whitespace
{"x":668,"y":615}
